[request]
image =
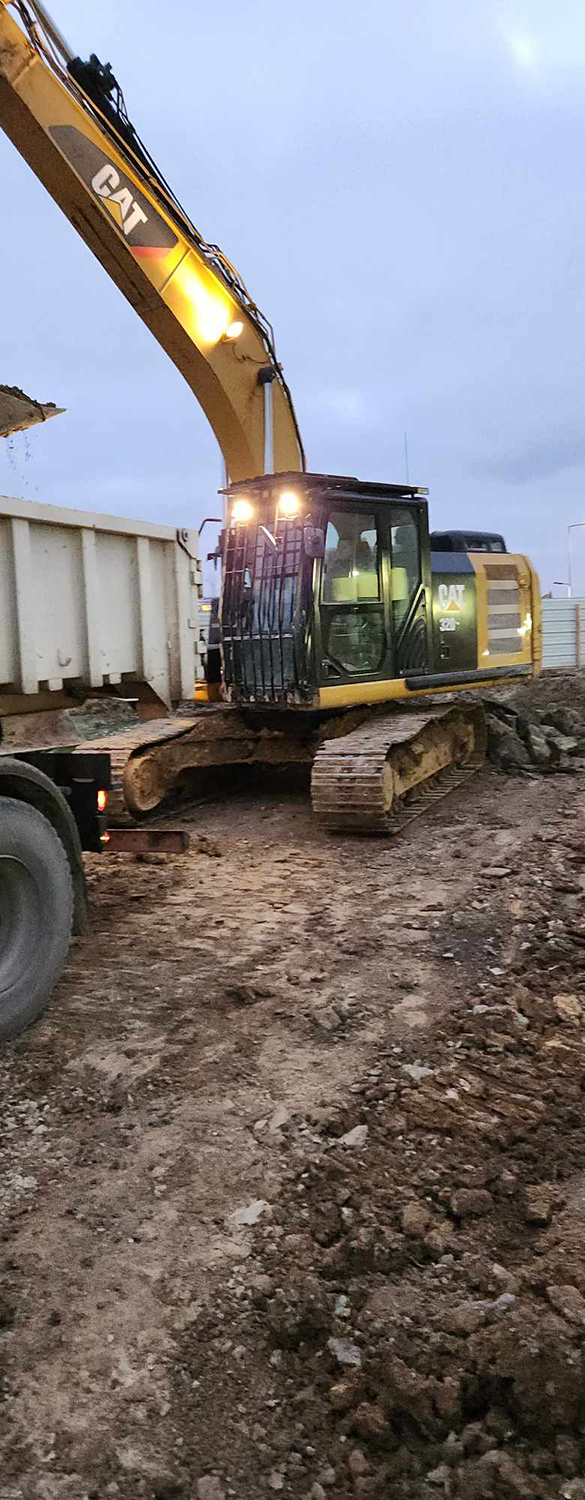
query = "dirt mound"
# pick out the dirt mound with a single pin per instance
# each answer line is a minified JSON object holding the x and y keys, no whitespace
{"x":551,"y":690}
{"x":543,"y":735}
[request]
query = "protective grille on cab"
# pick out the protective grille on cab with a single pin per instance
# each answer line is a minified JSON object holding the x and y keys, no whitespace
{"x":260,"y":596}
{"x":504,"y":610}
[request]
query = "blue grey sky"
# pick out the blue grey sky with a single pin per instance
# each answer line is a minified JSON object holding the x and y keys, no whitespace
{"x":400,"y":186}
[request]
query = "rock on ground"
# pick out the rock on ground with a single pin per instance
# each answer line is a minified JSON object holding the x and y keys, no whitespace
{"x":401,"y":1317}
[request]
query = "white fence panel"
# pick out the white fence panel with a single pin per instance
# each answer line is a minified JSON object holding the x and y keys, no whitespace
{"x":563,"y":633}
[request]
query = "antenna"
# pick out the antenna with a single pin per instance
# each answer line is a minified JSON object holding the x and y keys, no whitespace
{"x":406,"y":456}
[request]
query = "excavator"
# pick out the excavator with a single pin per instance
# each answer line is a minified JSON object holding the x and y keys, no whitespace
{"x":345,"y":642}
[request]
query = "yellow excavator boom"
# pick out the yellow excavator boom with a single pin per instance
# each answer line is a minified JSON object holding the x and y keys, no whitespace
{"x":68,"y":120}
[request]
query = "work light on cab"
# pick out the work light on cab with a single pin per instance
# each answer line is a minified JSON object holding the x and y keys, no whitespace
{"x":242,"y":511}
{"x":289,"y":503}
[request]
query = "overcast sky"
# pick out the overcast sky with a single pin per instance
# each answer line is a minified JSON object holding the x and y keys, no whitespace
{"x":400,"y":184}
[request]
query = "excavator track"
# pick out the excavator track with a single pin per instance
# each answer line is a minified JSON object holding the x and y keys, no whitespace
{"x":122,"y":746}
{"x":380,"y":777}
{"x":148,"y":760}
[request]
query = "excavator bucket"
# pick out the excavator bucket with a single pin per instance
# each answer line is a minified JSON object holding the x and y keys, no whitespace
{"x":18,"y":411}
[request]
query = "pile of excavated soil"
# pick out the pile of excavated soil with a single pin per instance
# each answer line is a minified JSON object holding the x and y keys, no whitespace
{"x":292,"y":1172}
{"x":521,"y":738}
{"x":556,"y":689}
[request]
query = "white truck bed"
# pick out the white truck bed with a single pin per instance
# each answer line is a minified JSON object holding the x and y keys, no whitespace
{"x":96,"y":599}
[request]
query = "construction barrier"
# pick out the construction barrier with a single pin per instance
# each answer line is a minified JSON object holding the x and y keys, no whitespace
{"x":563,"y":633}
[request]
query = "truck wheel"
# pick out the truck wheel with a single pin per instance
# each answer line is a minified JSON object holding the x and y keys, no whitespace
{"x":36,"y":913}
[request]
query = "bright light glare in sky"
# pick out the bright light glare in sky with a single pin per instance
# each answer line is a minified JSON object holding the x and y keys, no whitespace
{"x":525,"y":51}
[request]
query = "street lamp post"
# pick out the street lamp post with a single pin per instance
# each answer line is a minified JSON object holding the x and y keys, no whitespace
{"x":573,"y":527}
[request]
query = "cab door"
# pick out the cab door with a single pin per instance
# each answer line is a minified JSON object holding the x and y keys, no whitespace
{"x":372,"y":603}
{"x":353,"y":612}
{"x":409,"y":560}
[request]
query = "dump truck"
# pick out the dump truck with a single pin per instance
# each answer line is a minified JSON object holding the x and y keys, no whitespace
{"x":52,"y":806}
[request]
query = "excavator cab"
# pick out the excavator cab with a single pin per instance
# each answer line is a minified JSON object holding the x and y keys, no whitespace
{"x":331,"y":597}
{"x":326,"y":586}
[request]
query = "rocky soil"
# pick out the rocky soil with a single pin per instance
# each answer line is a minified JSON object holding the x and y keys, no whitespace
{"x":292,"y":1193}
{"x":520,"y":736}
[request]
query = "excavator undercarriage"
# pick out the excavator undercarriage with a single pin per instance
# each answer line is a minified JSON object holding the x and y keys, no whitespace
{"x":372,"y":771}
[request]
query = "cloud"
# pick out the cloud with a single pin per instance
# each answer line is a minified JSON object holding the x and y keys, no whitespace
{"x":542,"y":457}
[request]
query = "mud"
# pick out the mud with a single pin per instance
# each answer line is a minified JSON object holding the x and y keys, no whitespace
{"x":292,"y":1184}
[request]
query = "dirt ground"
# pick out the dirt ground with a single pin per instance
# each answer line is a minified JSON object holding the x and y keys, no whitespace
{"x":292,"y":1192}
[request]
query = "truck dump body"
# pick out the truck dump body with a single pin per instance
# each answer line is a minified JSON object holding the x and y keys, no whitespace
{"x":95,"y":600}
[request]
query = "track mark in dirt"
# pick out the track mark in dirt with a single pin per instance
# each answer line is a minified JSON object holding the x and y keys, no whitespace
{"x":226,"y":1025}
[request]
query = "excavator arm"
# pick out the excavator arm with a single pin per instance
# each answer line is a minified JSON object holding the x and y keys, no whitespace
{"x":68,"y":120}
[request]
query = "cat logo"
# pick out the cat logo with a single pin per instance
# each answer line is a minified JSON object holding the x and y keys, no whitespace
{"x":451,"y":598}
{"x":106,"y":184}
{"x":145,"y":231}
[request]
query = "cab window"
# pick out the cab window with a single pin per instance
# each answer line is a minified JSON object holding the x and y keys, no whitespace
{"x":354,"y":639}
{"x":406,"y":573}
{"x":351,"y":572}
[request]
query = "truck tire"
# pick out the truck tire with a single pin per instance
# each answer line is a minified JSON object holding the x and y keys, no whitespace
{"x":36,"y":913}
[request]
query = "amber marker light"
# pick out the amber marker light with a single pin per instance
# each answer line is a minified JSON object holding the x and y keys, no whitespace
{"x":289,"y":503}
{"x":102,"y":801}
{"x":242,"y":511}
